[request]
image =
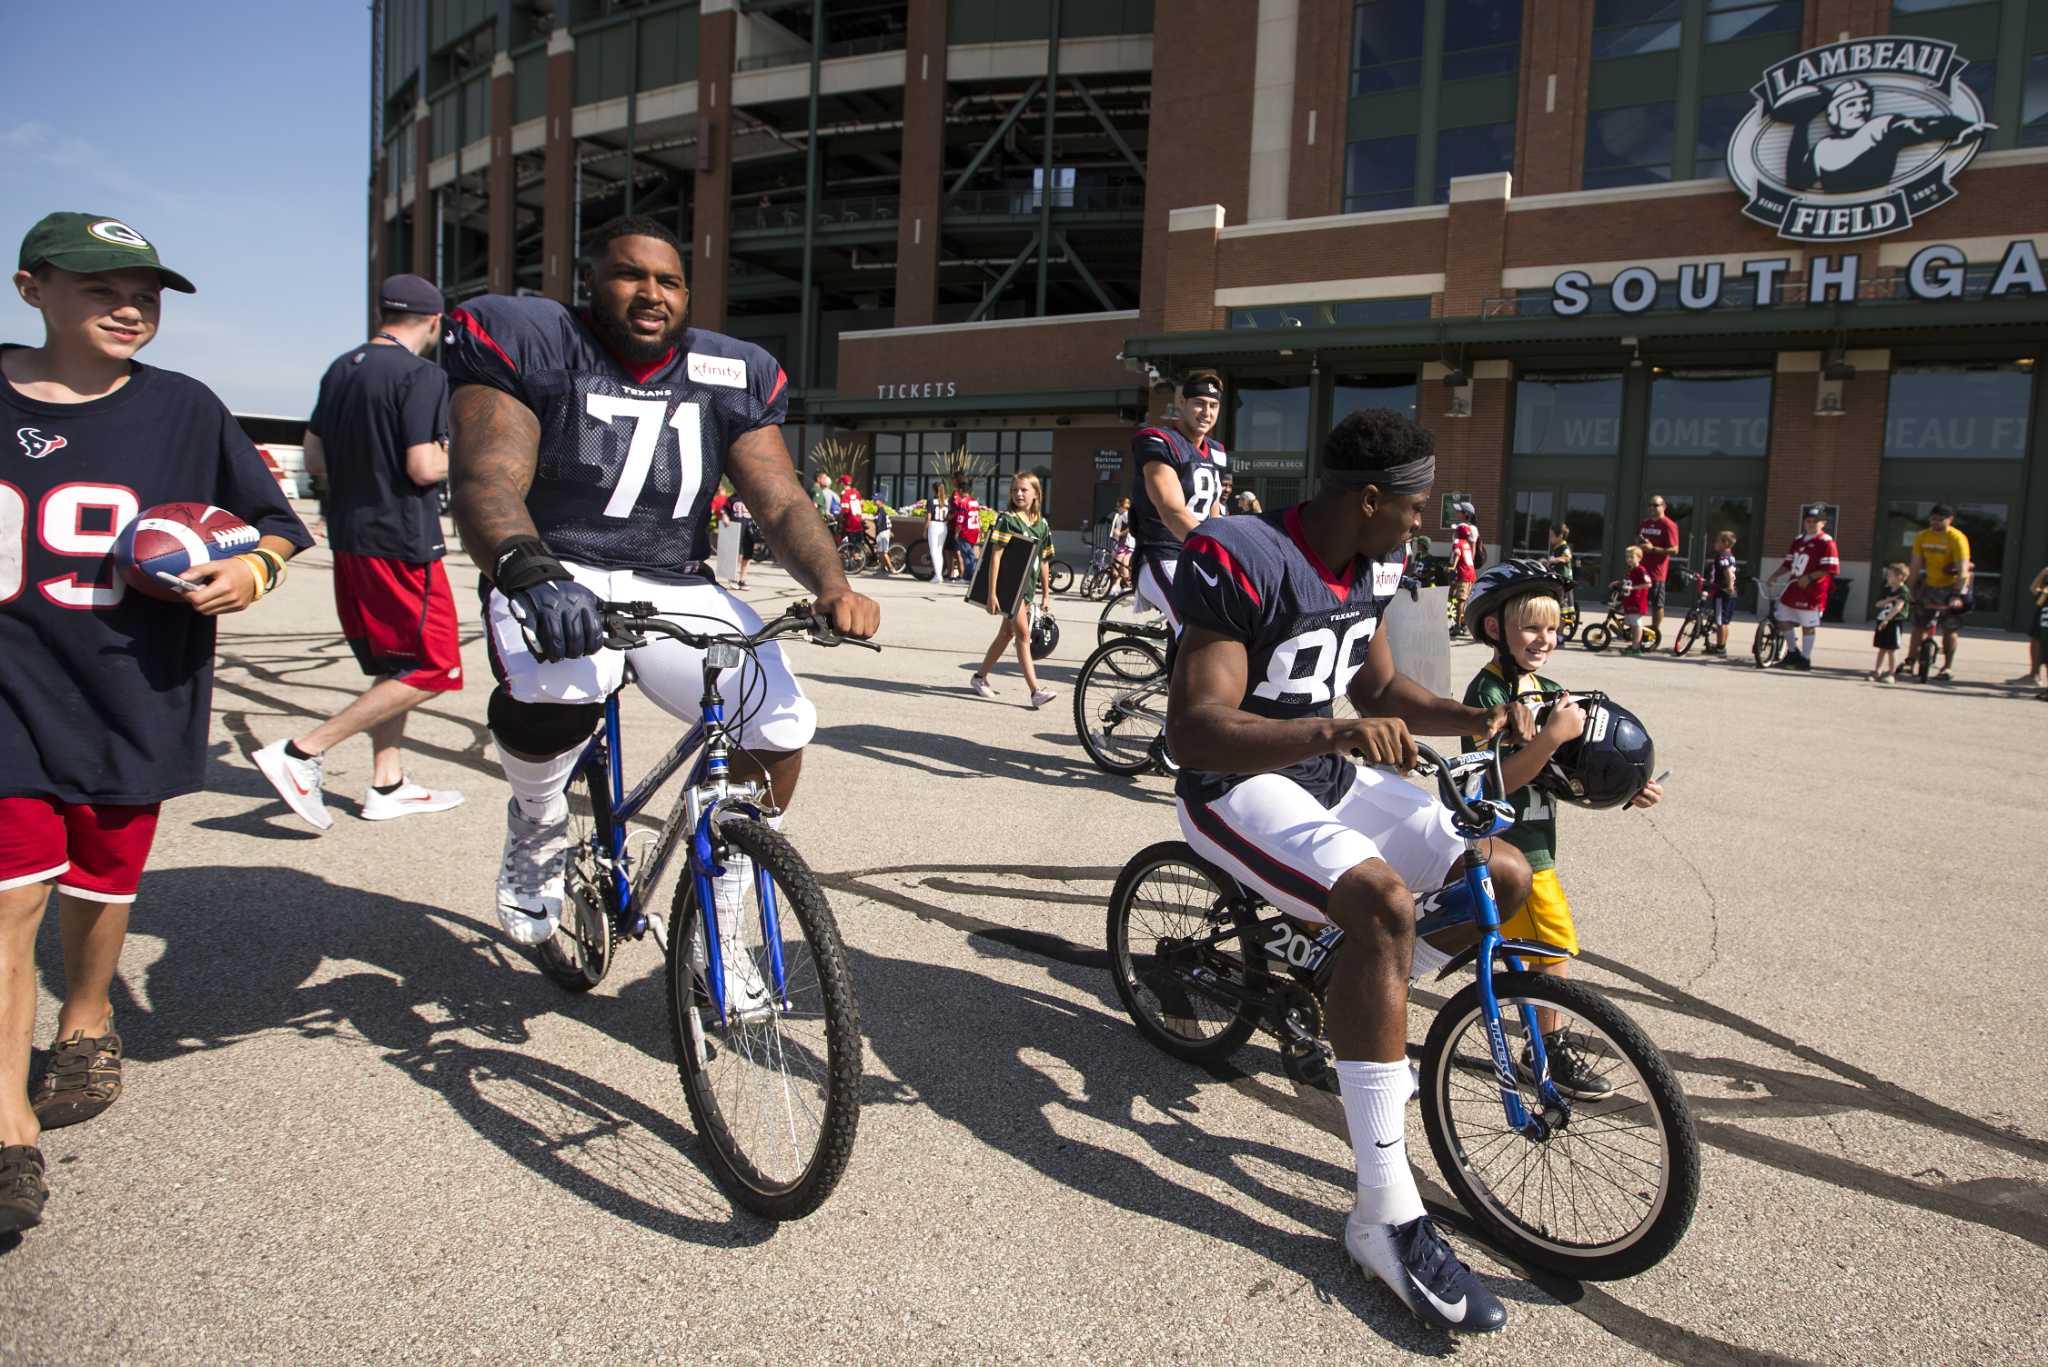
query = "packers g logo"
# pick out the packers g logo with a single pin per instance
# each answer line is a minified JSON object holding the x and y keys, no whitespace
{"x":120,"y":234}
{"x":1854,"y":139}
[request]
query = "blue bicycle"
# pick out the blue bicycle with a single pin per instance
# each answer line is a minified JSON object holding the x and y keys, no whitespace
{"x":1596,"y":1185}
{"x":761,"y":1001}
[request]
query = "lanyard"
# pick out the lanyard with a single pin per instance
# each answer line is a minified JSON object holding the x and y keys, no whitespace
{"x":389,"y":338}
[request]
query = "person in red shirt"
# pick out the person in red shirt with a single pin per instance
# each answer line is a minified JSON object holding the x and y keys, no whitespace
{"x":1637,"y":586}
{"x":966,"y":527}
{"x":1811,"y":565}
{"x":1659,"y":535}
{"x":851,"y":522}
{"x":1466,"y":551}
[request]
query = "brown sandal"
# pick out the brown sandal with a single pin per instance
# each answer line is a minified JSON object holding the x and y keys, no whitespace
{"x":82,"y":1078}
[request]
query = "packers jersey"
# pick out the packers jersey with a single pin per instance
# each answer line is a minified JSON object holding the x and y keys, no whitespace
{"x":1305,"y":630}
{"x":629,"y":458}
{"x":1200,"y":469}
{"x":1942,"y":555}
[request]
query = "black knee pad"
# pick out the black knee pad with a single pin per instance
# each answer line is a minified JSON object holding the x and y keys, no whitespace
{"x":541,"y":728}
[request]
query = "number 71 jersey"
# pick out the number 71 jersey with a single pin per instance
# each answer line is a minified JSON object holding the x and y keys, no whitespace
{"x":629,"y":457}
{"x":1305,"y":628}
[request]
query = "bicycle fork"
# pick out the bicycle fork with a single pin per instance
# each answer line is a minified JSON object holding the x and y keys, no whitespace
{"x":1478,"y":886}
{"x":714,"y":791}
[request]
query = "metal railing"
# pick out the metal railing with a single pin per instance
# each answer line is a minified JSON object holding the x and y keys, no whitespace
{"x":787,"y":216}
{"x":845,"y":47}
{"x":1027,"y":199}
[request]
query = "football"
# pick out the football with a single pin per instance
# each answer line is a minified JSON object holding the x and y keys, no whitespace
{"x":173,"y":537}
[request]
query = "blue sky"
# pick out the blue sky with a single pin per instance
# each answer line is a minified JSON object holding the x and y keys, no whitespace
{"x":231,"y":133}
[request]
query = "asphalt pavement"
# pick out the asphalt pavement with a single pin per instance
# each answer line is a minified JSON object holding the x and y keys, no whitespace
{"x":360,"y":1126}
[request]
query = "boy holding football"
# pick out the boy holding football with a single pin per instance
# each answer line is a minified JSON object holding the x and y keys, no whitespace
{"x":104,"y":692}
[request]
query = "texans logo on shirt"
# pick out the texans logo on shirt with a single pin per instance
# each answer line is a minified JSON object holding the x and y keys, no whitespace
{"x":36,"y":444}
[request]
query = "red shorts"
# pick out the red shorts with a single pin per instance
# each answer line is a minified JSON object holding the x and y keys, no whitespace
{"x":93,"y":850}
{"x":399,"y":619}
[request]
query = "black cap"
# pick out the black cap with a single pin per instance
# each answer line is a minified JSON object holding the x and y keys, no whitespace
{"x":1814,"y":510}
{"x":1200,"y":387}
{"x":410,"y":294}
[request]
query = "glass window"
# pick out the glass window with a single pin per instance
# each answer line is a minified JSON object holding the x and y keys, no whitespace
{"x":1728,"y":20}
{"x":1985,"y":524}
{"x":1034,"y":443}
{"x":1269,"y":415}
{"x":1568,"y":415}
{"x":888,"y":443}
{"x":1718,"y":116}
{"x":1585,"y":516}
{"x":1473,"y":151}
{"x":1630,"y":145}
{"x":1529,"y":525}
{"x":1379,"y":173}
{"x":1623,"y":28}
{"x":1386,"y":45}
{"x":1481,"y":38}
{"x":1353,"y":392}
{"x":1710,"y":413}
{"x":2034,"y":103}
{"x":1958,"y":412}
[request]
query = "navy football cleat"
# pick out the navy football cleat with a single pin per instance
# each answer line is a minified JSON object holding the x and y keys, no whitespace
{"x":1416,"y":1263}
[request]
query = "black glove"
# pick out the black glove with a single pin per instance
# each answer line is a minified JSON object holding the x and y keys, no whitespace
{"x":561,"y":618}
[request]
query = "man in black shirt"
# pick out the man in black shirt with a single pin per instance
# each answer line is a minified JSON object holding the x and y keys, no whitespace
{"x":380,"y":433}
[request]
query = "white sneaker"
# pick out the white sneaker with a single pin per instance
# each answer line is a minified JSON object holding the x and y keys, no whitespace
{"x":297,"y":781}
{"x":1418,"y":1266}
{"x":531,"y":884}
{"x":739,"y":922}
{"x":407,"y":799}
{"x":1041,"y":697}
{"x":981,"y":685}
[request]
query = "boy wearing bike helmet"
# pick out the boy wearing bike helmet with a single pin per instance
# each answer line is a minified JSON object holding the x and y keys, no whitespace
{"x":1515,"y":608}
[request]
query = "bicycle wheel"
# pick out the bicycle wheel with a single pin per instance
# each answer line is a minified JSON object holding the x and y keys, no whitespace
{"x":1923,"y":663}
{"x":1764,"y":646}
{"x":774,"y":1091}
{"x":1611,"y":1189}
{"x":898,"y":561}
{"x":579,"y":953}
{"x":1164,"y":898}
{"x":1596,"y":637}
{"x":1095,"y":583}
{"x":1120,"y":705}
{"x":1061,"y":576}
{"x":1652,"y":638}
{"x":1688,"y":632}
{"x":1127,"y":616}
{"x":853,"y":555}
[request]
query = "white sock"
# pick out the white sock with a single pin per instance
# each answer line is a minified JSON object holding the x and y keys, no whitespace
{"x":1806,"y":642}
{"x":1375,"y":1103}
{"x":539,"y":784}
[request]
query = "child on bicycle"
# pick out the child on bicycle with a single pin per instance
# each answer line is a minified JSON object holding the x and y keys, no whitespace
{"x":1515,"y":608}
{"x":882,"y":537}
{"x":1636,"y":583}
{"x":1892,"y":607}
{"x":1721,"y":573}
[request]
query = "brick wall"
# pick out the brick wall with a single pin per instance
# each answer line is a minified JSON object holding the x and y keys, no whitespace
{"x":1191,"y":264}
{"x":1828,"y":20}
{"x":1832,"y":459}
{"x":1069,"y":354}
{"x":711,"y":223}
{"x":1198,"y":143}
{"x":1471,"y":453}
{"x":1322,"y":86}
{"x":1413,"y":248}
{"x":1550,"y":130}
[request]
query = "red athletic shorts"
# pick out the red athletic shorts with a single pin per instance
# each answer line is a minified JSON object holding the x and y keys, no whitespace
{"x":93,"y":850}
{"x":399,"y":619}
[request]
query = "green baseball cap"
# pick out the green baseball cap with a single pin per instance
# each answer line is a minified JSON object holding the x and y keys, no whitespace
{"x":86,"y":243}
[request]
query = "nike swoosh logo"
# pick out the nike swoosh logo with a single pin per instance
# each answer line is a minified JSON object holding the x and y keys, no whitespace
{"x":1388,"y":1145}
{"x":1207,"y":577}
{"x":1454,"y":1313}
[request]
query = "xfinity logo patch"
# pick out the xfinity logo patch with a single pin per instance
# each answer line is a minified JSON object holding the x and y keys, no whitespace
{"x":1855,"y":139}
{"x":720,"y":370}
{"x":1386,"y":577}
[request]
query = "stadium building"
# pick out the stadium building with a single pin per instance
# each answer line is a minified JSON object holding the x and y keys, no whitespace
{"x":1746,"y":254}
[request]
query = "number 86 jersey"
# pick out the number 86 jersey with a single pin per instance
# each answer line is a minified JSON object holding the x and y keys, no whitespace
{"x":1305,"y":629}
{"x":629,"y":456}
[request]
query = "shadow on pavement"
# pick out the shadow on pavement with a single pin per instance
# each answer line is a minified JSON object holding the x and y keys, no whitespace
{"x":243,"y":945}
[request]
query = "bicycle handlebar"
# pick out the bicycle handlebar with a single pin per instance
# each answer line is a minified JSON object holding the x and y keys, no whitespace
{"x":624,"y":621}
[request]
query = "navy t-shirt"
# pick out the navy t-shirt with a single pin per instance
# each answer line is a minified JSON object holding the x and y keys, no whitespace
{"x":375,"y":401}
{"x":629,"y":459}
{"x":1305,"y":629}
{"x":104,"y":693}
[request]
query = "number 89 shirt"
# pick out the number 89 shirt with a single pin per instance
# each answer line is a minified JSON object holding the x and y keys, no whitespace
{"x":1305,"y":630}
{"x":629,"y":458}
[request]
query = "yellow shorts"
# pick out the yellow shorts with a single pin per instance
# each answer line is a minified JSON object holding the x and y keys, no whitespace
{"x":1545,"y":917}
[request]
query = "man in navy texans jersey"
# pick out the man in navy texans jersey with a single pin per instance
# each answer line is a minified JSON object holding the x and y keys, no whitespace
{"x":104,"y":692}
{"x":586,"y":450}
{"x":1181,"y":474}
{"x":1281,"y":615}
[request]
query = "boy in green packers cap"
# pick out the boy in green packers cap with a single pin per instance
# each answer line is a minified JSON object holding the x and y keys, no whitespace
{"x":105,"y":693}
{"x":1516,"y":607}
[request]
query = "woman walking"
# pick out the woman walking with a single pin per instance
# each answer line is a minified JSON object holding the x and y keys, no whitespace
{"x":938,"y":514}
{"x":1029,"y":535}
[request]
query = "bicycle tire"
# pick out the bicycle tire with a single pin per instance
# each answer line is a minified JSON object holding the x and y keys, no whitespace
{"x":853,"y":556}
{"x":1095,"y":584}
{"x":1688,"y":632}
{"x":1060,"y":576}
{"x":579,"y":954}
{"x":1652,"y":637}
{"x":897,"y":561}
{"x":1141,"y":981}
{"x":1595,"y":637}
{"x":1923,"y":663}
{"x":1115,"y":625}
{"x":1763,"y":647}
{"x":1668,"y":1206}
{"x":819,"y":982}
{"x":1109,"y":676}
